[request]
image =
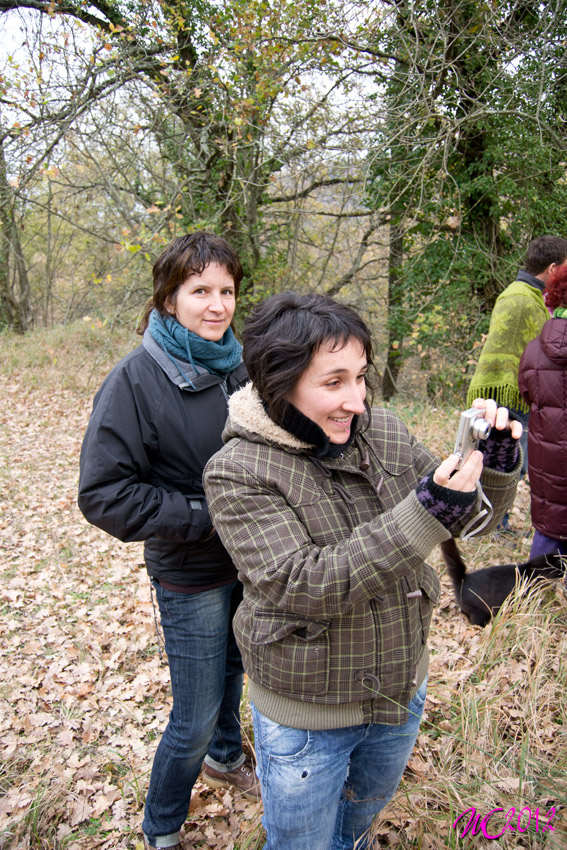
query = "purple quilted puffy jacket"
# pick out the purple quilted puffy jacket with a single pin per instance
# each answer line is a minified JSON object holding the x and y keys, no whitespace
{"x":543,"y":385}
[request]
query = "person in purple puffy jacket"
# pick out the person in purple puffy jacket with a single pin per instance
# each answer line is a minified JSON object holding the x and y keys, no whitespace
{"x":543,"y":385}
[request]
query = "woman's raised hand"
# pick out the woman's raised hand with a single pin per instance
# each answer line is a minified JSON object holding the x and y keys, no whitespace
{"x":498,"y":417}
{"x":465,"y":478}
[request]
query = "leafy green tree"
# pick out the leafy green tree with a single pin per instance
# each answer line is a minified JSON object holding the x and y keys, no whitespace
{"x":469,"y":163}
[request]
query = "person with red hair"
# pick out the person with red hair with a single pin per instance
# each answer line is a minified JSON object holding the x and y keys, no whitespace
{"x":543,"y":385}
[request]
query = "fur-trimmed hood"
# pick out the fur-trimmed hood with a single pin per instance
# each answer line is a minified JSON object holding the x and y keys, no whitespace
{"x":247,"y":417}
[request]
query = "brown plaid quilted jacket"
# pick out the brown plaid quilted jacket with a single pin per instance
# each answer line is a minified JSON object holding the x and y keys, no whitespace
{"x":337,"y":595}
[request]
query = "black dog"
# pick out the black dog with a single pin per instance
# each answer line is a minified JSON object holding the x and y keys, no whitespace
{"x":480,"y":594}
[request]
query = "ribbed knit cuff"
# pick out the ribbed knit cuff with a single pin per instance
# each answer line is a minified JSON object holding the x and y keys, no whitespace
{"x":449,"y":507}
{"x":421,"y":530}
{"x":500,"y":451}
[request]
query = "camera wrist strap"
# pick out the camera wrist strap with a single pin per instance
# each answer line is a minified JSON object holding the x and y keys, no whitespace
{"x":482,"y":515}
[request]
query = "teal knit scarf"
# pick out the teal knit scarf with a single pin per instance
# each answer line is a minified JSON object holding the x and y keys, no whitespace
{"x":218,"y":358}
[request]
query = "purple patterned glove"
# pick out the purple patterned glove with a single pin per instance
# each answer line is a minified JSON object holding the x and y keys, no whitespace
{"x":450,"y":507}
{"x":500,"y":451}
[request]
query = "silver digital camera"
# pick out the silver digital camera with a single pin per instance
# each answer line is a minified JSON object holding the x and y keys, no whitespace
{"x":473,"y":428}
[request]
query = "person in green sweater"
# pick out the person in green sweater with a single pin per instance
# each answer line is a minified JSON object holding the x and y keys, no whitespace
{"x":518,"y":317}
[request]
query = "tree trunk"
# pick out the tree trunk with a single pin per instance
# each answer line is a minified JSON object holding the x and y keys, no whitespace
{"x":395,"y":295}
{"x":15,"y":310}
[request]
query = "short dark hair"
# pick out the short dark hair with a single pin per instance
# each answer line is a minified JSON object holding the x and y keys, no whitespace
{"x":187,"y":255}
{"x":543,"y":251}
{"x":556,"y":288}
{"x":283,"y":333}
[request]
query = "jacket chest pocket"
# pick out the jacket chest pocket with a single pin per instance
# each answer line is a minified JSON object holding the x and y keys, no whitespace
{"x":290,"y":655}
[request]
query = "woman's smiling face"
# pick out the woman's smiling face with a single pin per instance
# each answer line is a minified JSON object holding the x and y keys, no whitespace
{"x":205,"y":303}
{"x":333,"y":388}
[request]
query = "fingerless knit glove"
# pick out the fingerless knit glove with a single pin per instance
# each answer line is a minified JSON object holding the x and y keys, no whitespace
{"x":450,"y":507}
{"x":500,"y":451}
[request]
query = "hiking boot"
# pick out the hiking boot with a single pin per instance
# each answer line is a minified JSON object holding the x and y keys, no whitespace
{"x":242,"y":778}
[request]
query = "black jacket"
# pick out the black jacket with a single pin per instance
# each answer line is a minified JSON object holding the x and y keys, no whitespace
{"x":148,"y":439}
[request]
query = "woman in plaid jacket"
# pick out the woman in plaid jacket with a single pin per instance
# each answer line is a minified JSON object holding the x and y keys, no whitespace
{"x":329,"y":509}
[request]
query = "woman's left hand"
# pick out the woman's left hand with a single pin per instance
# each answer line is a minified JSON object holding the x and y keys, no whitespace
{"x":463,"y":479}
{"x":498,"y":417}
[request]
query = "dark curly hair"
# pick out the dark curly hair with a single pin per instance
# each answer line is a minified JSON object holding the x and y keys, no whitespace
{"x":556,"y":288}
{"x":284,"y":332}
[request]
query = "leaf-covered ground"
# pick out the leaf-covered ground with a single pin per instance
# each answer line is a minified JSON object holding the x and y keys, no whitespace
{"x":84,"y":690}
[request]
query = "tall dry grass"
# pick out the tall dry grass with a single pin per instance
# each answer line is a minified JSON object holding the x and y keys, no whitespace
{"x":494,"y":735}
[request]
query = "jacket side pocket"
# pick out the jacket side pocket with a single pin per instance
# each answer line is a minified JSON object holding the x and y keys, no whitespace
{"x":290,"y":655}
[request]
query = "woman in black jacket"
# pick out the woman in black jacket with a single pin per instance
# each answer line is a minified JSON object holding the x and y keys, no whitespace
{"x":156,"y":420}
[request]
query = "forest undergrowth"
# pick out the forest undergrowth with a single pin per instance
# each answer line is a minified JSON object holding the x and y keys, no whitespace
{"x":84,"y":684}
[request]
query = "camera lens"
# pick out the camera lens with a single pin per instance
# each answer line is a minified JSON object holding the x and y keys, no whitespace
{"x":480,"y":429}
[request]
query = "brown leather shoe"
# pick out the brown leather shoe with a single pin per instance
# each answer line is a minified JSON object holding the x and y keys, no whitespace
{"x":242,"y":779}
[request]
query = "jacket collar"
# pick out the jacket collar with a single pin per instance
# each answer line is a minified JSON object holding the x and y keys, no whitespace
{"x":247,"y":414}
{"x":247,"y":418}
{"x":528,"y":278}
{"x":199,"y":377}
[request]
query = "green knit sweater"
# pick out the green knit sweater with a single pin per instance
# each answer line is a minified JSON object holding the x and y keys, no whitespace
{"x":518,"y":317}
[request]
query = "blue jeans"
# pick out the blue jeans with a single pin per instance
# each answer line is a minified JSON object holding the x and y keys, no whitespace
{"x":321,"y":790}
{"x":206,"y":681}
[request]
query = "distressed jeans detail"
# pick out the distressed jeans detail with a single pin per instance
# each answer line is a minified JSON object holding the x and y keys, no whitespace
{"x":322,"y":789}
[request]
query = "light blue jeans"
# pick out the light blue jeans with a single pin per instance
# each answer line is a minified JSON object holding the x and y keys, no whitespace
{"x":321,"y":790}
{"x":206,"y":680}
